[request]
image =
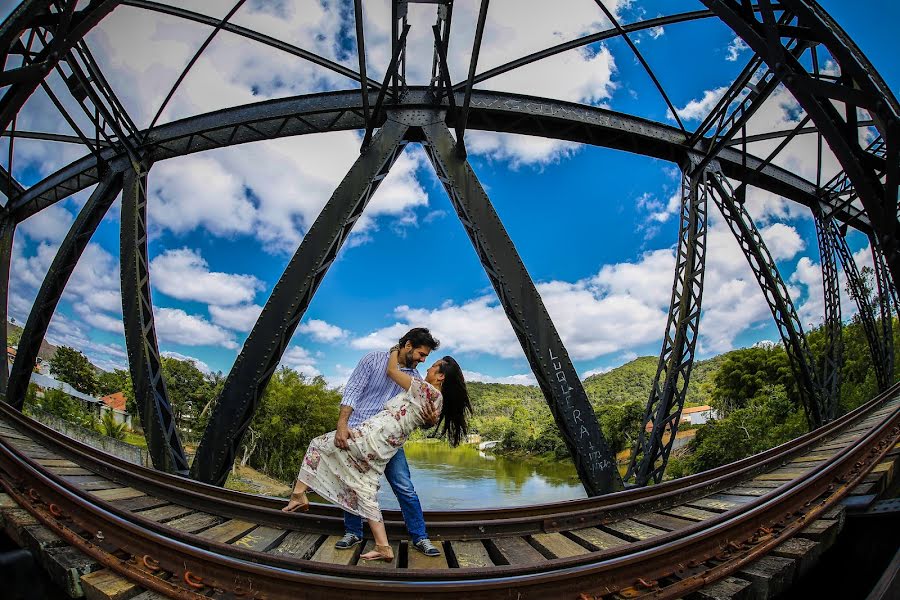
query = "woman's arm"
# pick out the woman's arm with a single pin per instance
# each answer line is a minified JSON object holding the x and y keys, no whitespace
{"x":404,"y":380}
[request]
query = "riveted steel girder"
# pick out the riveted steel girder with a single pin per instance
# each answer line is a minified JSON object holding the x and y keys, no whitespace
{"x":766,"y":272}
{"x":64,"y":26}
{"x":527,"y":314}
{"x":858,"y":86}
{"x":286,"y":306}
{"x":832,"y":358}
{"x":489,"y":111}
{"x":54,"y":284}
{"x":7,"y":232}
{"x":673,"y":372}
{"x":150,"y":396}
{"x":861,"y":295}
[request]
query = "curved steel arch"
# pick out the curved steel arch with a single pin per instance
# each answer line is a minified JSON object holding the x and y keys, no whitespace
{"x":870,"y":173}
{"x":490,"y":111}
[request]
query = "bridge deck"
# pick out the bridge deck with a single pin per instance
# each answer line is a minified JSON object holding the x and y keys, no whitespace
{"x":473,"y":541}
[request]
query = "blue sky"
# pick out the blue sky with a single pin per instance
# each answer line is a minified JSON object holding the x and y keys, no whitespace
{"x":595,"y":227}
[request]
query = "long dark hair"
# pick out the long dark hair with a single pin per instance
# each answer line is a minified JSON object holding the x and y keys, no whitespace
{"x":453,"y":422}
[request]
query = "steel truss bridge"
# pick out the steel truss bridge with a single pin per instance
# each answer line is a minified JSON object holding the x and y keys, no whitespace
{"x":846,"y":106}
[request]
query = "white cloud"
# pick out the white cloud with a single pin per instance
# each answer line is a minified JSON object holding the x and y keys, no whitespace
{"x":300,"y":360}
{"x":202,"y":366}
{"x":321,"y":331}
{"x":185,"y":275}
{"x":782,"y":240}
{"x":50,"y":225}
{"x":178,"y":327}
{"x":735,"y":48}
{"x":519,"y":379}
{"x":696,"y":110}
{"x":239,"y":318}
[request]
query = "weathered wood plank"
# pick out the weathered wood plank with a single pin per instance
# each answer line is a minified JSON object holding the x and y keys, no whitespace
{"x":107,"y":585}
{"x":91,"y":482}
{"x":597,"y":539}
{"x":417,"y":560}
{"x":14,"y":521}
{"x":327,"y":553}
{"x":516,"y":551}
{"x":803,"y":551}
{"x":56,"y":462}
{"x":770,"y":575}
{"x":194,"y":522}
{"x":729,"y":588}
{"x":661,"y":521}
{"x":558,"y":545}
{"x":380,"y":564}
{"x":749,"y":491}
{"x":633,"y":530}
{"x":686,"y":512}
{"x":824,"y":531}
{"x":124,"y":493}
{"x":69,"y":471}
{"x":66,"y":565}
{"x":298,"y":545}
{"x":139,"y":503}
{"x":471,"y":554}
{"x":165,"y":513}
{"x":228,"y":531}
{"x":260,"y":539}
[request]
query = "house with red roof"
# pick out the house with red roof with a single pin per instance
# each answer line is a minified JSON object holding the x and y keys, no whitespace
{"x":116,"y":403}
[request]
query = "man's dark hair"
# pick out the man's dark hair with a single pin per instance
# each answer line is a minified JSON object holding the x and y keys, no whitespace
{"x":419,"y":336}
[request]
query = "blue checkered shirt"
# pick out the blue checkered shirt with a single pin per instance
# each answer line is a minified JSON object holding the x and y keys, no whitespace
{"x":369,"y":387}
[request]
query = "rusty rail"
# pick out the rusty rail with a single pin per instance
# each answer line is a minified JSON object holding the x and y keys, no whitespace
{"x":665,"y":566}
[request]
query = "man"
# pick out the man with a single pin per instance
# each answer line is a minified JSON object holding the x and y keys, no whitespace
{"x":365,"y":394}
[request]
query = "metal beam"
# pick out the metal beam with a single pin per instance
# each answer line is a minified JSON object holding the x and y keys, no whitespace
{"x":490,"y":111}
{"x":470,"y":80}
{"x":663,"y":412}
{"x":54,"y":285}
{"x":529,"y":318}
{"x":860,"y":291}
{"x":150,"y":396}
{"x":858,"y":86}
{"x":885,"y":290}
{"x":833,"y":357}
{"x":73,"y":25}
{"x":775,"y":291}
{"x":291,"y":296}
{"x":7,"y":233}
{"x":266,"y":40}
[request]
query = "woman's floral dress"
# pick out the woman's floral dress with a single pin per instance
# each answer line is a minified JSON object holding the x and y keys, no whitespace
{"x":350,"y":478}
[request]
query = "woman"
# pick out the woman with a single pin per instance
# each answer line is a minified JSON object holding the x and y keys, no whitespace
{"x":350,"y":478}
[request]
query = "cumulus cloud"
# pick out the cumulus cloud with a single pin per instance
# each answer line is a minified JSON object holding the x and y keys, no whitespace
{"x":322,"y":331}
{"x":300,"y":360}
{"x":184,"y":274}
{"x":239,"y":318}
{"x":697,"y":109}
{"x":735,"y":48}
{"x":178,"y":327}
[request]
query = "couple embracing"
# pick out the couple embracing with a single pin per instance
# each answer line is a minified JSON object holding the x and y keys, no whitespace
{"x":384,"y":401}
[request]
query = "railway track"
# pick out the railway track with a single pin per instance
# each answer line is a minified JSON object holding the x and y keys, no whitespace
{"x":184,"y":539}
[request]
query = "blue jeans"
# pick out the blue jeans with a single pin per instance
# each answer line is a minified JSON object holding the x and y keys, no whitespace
{"x":397,"y":474}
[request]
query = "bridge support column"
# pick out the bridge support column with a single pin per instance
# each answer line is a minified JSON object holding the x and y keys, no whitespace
{"x":776,"y":294}
{"x":54,"y":284}
{"x":150,"y":396}
{"x":527,"y":314}
{"x":833,"y":358}
{"x":7,"y":233}
{"x":291,"y":296}
{"x":663,"y":411}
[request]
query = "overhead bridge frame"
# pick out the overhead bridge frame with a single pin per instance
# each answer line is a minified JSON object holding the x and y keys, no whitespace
{"x":786,"y":40}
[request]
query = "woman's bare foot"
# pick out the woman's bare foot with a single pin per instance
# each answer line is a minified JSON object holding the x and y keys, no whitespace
{"x":298,"y":502}
{"x":385,"y":553}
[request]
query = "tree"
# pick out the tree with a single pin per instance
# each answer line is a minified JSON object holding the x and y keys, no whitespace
{"x":109,"y":427}
{"x":188,"y":388}
{"x":73,"y":367}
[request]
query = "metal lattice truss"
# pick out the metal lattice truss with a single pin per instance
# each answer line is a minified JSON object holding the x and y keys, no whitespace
{"x":846,"y":106}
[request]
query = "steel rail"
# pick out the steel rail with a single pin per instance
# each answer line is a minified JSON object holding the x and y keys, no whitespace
{"x":442,"y":524}
{"x":723,"y":543}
